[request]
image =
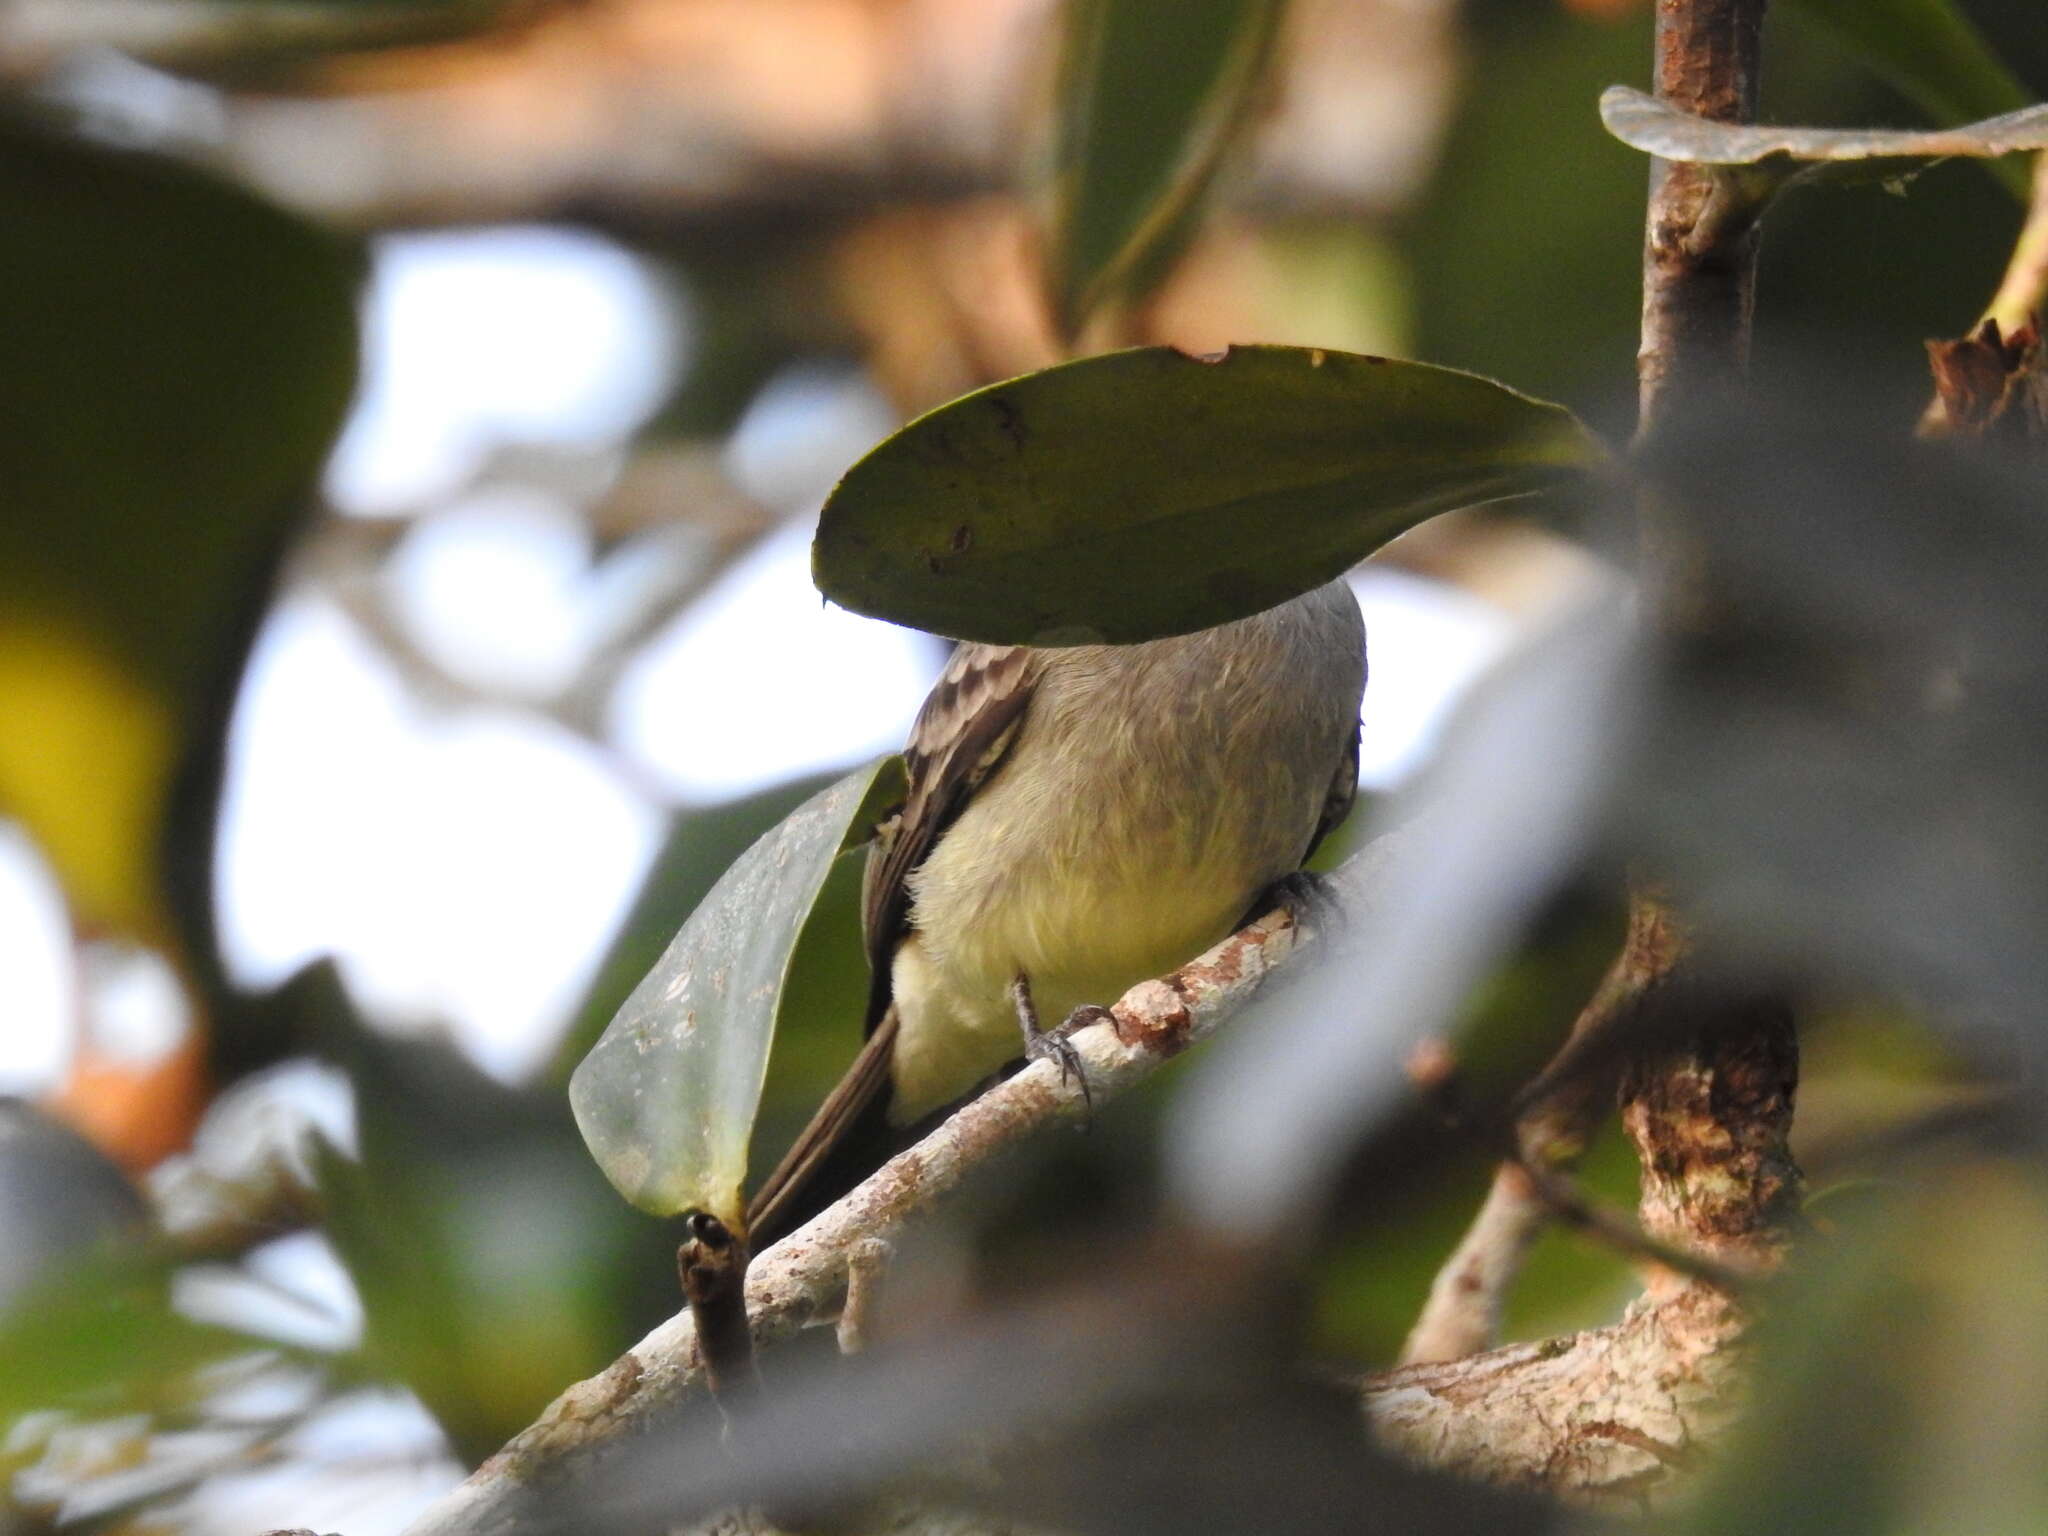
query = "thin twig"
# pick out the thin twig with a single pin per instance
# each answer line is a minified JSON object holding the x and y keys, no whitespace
{"x":1555,"y":1116}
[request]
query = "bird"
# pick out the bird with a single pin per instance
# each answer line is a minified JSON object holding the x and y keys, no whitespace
{"x":1076,"y":819}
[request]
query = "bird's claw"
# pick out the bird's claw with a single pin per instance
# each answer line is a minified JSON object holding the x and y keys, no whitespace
{"x":1309,"y":900}
{"x":1054,"y":1044}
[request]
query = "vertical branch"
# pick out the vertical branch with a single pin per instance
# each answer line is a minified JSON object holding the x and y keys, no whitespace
{"x":1699,"y":268}
{"x":1708,"y":1103}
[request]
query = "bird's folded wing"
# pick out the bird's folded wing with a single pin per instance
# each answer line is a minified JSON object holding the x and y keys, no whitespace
{"x":966,"y":725}
{"x":968,"y":722}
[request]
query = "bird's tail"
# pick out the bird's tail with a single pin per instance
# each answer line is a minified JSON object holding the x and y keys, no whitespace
{"x":848,"y":1138}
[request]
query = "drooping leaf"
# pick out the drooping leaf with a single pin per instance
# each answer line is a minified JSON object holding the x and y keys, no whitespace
{"x":1151,"y":98}
{"x":178,"y":357}
{"x":666,"y":1098}
{"x":1643,"y":122}
{"x":1930,"y":52}
{"x":1147,"y":492}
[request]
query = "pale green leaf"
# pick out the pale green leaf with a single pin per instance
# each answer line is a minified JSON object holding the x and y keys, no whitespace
{"x":666,"y":1098}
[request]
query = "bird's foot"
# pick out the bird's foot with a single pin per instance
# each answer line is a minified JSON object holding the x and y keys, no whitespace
{"x":1308,"y":898}
{"x":1054,"y":1044}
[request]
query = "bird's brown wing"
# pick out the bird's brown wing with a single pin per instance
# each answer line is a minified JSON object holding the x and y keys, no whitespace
{"x":968,"y":722}
{"x":960,"y":735}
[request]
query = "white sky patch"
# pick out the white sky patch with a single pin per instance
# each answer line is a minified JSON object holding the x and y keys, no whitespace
{"x":137,"y":1007}
{"x":761,"y":680}
{"x":493,"y":587}
{"x":293,"y":1290}
{"x":465,"y":868}
{"x":806,"y":428}
{"x":476,"y":339}
{"x":1425,"y":644}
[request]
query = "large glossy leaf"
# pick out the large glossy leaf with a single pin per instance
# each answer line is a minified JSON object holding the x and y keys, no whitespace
{"x":1149,"y":493}
{"x":178,"y":356}
{"x":666,"y":1098}
{"x":1151,"y":99}
{"x":1930,"y":52}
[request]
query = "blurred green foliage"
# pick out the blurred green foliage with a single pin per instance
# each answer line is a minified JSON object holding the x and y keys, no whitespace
{"x":178,"y":358}
{"x":1147,"y":107}
{"x":1904,"y":1380}
{"x":1931,"y":53}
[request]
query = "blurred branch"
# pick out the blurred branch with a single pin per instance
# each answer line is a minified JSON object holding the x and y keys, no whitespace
{"x":207,"y":34}
{"x":676,"y":495}
{"x":1556,"y":1115}
{"x":679,"y":115}
{"x":803,"y":1279}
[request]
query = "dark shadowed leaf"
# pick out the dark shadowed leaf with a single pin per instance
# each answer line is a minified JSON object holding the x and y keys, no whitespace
{"x":1151,"y":99}
{"x":178,"y":356}
{"x":667,"y":1097}
{"x":1149,"y":493}
{"x":1930,"y":52}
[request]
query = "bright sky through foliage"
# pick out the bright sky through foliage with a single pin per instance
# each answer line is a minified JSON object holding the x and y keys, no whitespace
{"x":467,"y":864}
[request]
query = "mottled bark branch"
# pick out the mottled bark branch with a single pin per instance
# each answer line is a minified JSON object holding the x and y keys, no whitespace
{"x":1611,"y":1416}
{"x":1699,"y":268}
{"x":1710,"y":1108}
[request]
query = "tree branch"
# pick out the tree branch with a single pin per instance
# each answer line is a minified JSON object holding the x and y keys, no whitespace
{"x":1611,"y":1416}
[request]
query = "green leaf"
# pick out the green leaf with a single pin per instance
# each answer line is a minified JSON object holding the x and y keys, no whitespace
{"x":1931,"y":53}
{"x":1151,"y":100}
{"x":1148,"y":493}
{"x":666,"y":1099}
{"x":178,"y":358}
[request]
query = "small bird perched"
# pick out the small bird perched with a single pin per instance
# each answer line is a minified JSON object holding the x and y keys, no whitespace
{"x":1076,"y":820}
